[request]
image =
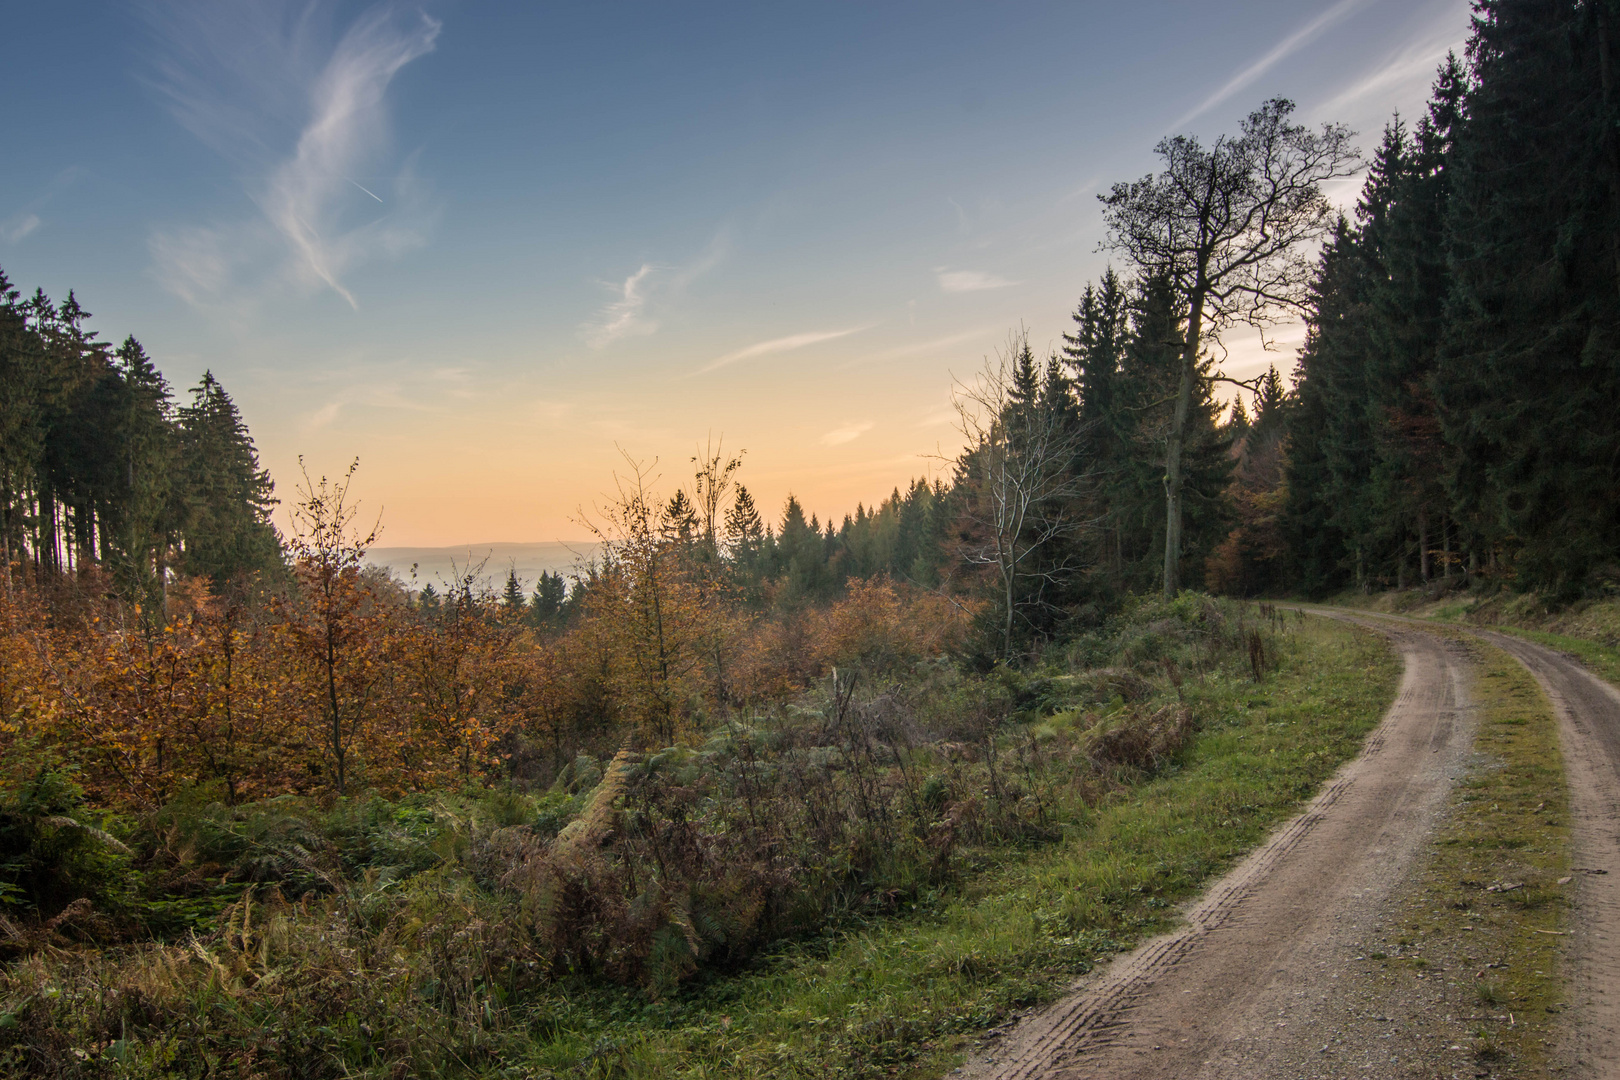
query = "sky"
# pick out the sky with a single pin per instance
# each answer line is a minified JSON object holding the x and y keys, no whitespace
{"x":489,"y":249}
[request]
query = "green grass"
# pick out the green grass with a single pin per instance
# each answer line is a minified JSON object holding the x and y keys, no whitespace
{"x":1508,"y":824}
{"x":430,"y":966}
{"x":908,"y":995}
{"x":1588,"y":629}
{"x":1603,"y":660}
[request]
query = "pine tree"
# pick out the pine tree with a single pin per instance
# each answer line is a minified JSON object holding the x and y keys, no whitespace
{"x":1095,"y":353}
{"x":1528,"y":379}
{"x":548,"y":607}
{"x":744,"y":531}
{"x":230,"y":495}
{"x":144,"y":456}
{"x":680,"y":519}
{"x":22,"y":368}
{"x":74,"y":364}
{"x":512,"y":598}
{"x":802,"y":556}
{"x":1269,"y":402}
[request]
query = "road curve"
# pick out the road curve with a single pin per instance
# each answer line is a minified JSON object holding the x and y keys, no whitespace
{"x":1588,"y":711}
{"x":1247,"y":985}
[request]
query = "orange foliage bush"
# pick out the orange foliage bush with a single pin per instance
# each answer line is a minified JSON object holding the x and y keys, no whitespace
{"x":878,"y":626}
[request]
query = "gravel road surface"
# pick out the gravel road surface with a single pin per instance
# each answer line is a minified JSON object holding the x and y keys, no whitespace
{"x":1251,"y":986}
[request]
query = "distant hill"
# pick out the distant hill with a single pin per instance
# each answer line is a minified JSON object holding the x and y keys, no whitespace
{"x":440,"y":565}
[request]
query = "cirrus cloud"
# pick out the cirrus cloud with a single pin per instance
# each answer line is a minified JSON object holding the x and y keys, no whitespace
{"x":847,"y":433}
{"x":237,"y":75}
{"x":625,"y":316}
{"x":777,"y":345}
{"x":964,"y":281}
{"x":15,"y":228}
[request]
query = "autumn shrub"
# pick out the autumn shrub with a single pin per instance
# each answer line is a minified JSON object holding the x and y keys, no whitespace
{"x":880,"y":627}
{"x":884,"y":629}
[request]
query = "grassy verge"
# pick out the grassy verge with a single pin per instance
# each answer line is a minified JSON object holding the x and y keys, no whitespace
{"x":908,"y":995}
{"x":1589,"y":630}
{"x":1603,"y":660}
{"x":1486,"y":912}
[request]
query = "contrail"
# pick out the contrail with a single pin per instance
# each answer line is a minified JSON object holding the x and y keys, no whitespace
{"x":1288,"y":45}
{"x":365,"y":189}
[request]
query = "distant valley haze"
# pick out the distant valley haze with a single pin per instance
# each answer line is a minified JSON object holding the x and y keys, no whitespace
{"x":489,"y":564}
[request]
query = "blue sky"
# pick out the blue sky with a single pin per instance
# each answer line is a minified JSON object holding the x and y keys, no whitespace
{"x":480,"y":246}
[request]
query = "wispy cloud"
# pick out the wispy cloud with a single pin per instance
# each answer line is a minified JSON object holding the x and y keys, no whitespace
{"x":552,"y":410}
{"x":239,"y":74}
{"x":626,"y":315}
{"x":917,"y":348}
{"x":27,"y":220}
{"x":1283,"y":49}
{"x":961,"y":281}
{"x":777,"y":345}
{"x":847,"y":433}
{"x":353,"y":380}
{"x":1408,"y":74}
{"x":15,"y":228}
{"x":637,"y":300}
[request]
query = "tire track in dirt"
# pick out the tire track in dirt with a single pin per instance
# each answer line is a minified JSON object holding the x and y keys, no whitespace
{"x":1242,"y":988}
{"x":1588,"y":710}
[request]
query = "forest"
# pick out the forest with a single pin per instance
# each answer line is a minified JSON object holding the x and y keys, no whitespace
{"x":415,"y":824}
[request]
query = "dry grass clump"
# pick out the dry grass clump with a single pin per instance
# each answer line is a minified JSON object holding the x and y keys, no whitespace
{"x":1140,"y":739}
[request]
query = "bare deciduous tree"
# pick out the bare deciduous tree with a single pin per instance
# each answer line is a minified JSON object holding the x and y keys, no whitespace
{"x":1023,"y":482}
{"x":1234,"y":228}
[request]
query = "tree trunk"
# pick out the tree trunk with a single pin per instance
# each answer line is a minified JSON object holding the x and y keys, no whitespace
{"x":332,"y":705}
{"x":45,"y":554}
{"x":1007,"y":630}
{"x":1445,"y":549}
{"x":1175,"y":446}
{"x":1610,"y":142}
{"x":1423,"y":545}
{"x":5,"y":534}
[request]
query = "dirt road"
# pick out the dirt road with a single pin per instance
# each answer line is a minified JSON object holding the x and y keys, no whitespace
{"x":1589,"y":730}
{"x":1252,"y":987}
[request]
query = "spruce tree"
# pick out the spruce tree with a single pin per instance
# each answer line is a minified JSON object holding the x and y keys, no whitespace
{"x":1528,"y":380}
{"x":512,"y":598}
{"x":548,"y":607}
{"x":229,"y":532}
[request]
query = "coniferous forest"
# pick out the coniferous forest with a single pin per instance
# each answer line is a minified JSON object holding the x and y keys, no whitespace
{"x":267,"y":810}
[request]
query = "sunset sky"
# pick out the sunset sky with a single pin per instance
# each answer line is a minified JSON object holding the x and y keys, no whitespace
{"x":481,"y":245}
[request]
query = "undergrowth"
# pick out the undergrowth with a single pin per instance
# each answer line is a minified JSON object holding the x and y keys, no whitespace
{"x":848,"y":886}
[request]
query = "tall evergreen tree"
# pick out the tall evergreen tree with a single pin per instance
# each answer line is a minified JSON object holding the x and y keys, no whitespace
{"x":151,"y":505}
{"x":512,"y":598}
{"x":229,"y":532}
{"x":803,"y":557}
{"x":548,"y":608}
{"x":1534,"y":238}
